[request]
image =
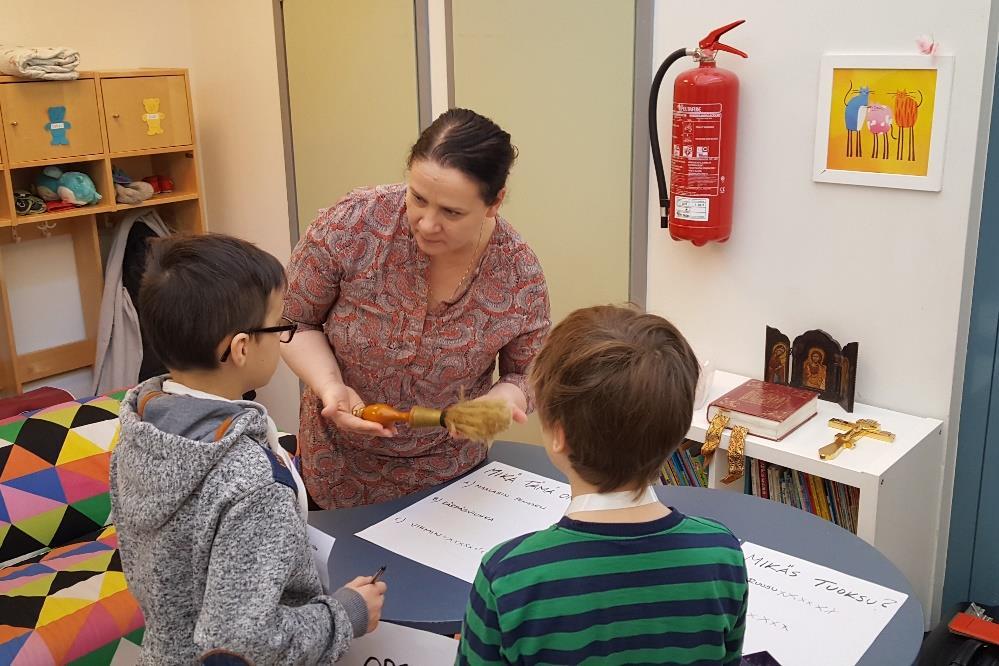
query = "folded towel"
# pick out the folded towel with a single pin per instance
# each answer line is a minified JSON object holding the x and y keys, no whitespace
{"x":43,"y":62}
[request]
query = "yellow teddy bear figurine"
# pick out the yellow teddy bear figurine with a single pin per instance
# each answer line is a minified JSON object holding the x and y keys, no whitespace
{"x":152,"y":116}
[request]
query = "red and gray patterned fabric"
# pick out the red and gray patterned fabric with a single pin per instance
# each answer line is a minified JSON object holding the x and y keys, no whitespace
{"x":359,"y":275}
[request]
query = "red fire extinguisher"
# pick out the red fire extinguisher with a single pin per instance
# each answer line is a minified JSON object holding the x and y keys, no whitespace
{"x":702,"y":155}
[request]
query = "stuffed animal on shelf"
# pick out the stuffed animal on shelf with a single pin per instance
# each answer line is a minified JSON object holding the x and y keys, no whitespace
{"x":73,"y":187}
{"x":128,"y":191}
{"x":133,"y":193}
{"x":78,"y":189}
{"x":47,"y":183}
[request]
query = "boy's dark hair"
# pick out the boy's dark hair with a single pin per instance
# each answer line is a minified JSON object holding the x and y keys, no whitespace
{"x":472,"y":144}
{"x":199,"y":290}
{"x":620,"y":383}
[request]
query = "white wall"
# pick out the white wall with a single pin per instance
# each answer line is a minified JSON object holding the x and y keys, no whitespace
{"x":237,"y":106}
{"x":108,"y":34}
{"x":888,"y":268}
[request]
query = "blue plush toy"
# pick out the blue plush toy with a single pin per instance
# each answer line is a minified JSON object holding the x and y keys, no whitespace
{"x":47,"y":183}
{"x":72,"y":186}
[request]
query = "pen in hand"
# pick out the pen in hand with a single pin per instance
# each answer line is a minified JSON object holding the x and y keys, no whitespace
{"x":381,"y":570}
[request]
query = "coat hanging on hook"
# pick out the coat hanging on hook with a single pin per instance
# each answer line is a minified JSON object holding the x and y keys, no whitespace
{"x":119,"y":338}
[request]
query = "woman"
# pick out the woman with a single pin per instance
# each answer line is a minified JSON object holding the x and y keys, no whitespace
{"x":407,"y":294}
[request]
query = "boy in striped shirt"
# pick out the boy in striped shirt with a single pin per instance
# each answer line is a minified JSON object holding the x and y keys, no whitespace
{"x":621,"y":579}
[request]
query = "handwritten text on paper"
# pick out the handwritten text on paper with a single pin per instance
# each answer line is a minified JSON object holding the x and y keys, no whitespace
{"x":805,"y":613}
{"x":452,"y":529}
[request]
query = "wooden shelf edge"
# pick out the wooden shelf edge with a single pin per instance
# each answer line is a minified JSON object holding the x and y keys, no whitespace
{"x":110,"y":74}
{"x":166,"y":150}
{"x":65,"y":214}
{"x":142,"y":71}
{"x":56,"y":160}
{"x":158,"y":199}
{"x":55,"y":360}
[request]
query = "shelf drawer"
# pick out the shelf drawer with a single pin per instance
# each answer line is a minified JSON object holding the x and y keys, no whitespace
{"x":36,"y":129}
{"x":146,"y":112}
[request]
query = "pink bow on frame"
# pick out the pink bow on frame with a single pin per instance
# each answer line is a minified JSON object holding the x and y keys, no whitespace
{"x":926,"y":45}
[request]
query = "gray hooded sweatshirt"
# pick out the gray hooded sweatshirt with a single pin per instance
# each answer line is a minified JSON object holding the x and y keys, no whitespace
{"x":211,"y":539}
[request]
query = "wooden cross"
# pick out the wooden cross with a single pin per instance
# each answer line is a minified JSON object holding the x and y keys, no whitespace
{"x":852,"y":433}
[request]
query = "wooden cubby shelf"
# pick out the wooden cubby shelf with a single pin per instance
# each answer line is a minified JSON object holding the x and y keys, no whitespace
{"x":179,"y":166}
{"x":137,"y":120}
{"x":23,"y":178}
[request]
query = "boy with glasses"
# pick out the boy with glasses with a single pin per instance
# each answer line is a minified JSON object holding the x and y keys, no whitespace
{"x":210,"y":511}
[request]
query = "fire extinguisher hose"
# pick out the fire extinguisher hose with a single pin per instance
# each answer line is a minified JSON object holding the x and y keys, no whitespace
{"x":657,"y":157}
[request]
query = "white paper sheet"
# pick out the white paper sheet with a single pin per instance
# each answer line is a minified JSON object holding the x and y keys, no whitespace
{"x":805,"y":613}
{"x":322,"y":545}
{"x":451,"y":530}
{"x":394,"y":645}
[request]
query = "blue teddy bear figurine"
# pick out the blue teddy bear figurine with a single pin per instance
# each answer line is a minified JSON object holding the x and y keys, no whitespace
{"x":57,"y":125}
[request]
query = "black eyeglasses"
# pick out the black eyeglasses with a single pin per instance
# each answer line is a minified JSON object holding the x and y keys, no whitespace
{"x":287,"y":332}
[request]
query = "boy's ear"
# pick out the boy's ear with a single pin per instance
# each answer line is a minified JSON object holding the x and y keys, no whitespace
{"x":238,"y":349}
{"x":559,"y":444}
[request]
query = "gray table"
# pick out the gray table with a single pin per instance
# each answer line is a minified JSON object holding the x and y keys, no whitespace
{"x":428,"y":599}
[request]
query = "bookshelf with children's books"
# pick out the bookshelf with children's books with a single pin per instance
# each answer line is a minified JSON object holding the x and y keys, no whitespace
{"x":686,"y":467}
{"x":888,"y":494}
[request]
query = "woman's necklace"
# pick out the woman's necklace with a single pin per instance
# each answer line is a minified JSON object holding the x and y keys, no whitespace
{"x":471,"y":263}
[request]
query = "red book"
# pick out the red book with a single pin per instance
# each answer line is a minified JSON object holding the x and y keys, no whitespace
{"x":768,"y":410}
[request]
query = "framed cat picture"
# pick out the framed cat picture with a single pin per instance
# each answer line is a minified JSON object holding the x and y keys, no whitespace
{"x":882,"y":120}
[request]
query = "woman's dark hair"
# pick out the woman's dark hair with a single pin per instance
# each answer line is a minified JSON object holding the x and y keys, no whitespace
{"x":472,"y":144}
{"x":198,"y":290}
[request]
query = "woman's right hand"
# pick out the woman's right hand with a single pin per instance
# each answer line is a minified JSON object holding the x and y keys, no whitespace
{"x":339,"y":401}
{"x":373,"y":595}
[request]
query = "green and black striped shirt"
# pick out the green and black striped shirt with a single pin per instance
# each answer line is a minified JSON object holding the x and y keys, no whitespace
{"x":669,"y":591}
